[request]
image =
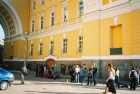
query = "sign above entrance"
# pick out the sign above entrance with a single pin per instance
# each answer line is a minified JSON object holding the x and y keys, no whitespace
{"x":50,"y":57}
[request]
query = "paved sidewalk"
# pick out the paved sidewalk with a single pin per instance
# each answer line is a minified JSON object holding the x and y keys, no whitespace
{"x":34,"y":85}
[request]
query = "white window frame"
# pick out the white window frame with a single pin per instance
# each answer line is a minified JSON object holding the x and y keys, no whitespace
{"x":80,"y":43}
{"x":32,"y":25}
{"x":41,"y":46}
{"x":65,"y":11}
{"x":52,"y":11}
{"x":65,"y":45}
{"x":31,"y":50}
{"x":42,"y":24}
{"x":42,"y":2}
{"x":33,"y":5}
{"x":51,"y":48}
{"x":81,"y":12}
{"x":112,"y":4}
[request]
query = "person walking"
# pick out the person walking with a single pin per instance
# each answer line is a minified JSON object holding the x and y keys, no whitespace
{"x":110,"y":79}
{"x":117,"y":72}
{"x":133,"y":78}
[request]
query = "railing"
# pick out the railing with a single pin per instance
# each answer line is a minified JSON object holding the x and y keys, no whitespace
{"x":18,"y":76}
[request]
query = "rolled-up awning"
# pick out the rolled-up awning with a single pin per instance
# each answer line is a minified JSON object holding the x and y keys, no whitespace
{"x":50,"y":57}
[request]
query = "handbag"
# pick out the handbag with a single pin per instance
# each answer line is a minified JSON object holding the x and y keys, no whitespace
{"x":106,"y":90}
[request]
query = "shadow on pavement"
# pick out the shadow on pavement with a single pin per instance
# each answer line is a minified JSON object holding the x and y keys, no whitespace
{"x":36,"y":92}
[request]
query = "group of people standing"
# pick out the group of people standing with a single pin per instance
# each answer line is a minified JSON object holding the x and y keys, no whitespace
{"x":80,"y":74}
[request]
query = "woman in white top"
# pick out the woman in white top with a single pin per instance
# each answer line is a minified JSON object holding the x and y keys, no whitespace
{"x":77,"y":72}
{"x":110,"y":79}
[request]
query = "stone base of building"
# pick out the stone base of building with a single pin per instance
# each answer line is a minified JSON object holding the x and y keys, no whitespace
{"x":123,"y":65}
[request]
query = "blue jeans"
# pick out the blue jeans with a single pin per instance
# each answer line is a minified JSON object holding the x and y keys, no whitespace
{"x":94,"y":79}
{"x":77,"y":77}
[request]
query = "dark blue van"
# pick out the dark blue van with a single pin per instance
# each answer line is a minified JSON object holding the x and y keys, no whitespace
{"x":6,"y":78}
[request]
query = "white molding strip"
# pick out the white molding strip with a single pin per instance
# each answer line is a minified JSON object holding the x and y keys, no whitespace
{"x":85,"y":58}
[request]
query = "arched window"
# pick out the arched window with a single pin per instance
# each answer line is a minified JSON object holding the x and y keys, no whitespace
{"x":51,"y":48}
{"x":80,"y":44}
{"x":52,"y":18}
{"x":41,"y":49}
{"x":65,"y":11}
{"x":81,"y":8}
{"x":33,"y":26}
{"x":42,"y":2}
{"x":33,"y":5}
{"x":42,"y":23}
{"x":65,"y":45}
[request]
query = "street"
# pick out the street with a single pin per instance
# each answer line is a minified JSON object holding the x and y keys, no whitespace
{"x":51,"y":87}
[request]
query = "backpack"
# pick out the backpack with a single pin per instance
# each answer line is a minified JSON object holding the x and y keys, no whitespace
{"x":132,"y":74}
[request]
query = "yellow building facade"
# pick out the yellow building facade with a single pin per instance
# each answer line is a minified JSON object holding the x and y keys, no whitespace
{"x":76,"y":32}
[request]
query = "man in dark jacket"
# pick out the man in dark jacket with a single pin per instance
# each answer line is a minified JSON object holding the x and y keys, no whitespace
{"x":133,"y":78}
{"x":94,"y":74}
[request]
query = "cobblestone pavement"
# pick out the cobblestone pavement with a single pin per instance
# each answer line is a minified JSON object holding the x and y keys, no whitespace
{"x":51,"y":87}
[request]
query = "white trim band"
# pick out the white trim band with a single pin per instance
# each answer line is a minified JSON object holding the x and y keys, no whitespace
{"x":84,"y":58}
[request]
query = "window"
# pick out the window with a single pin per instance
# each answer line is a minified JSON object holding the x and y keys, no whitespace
{"x":33,"y":26}
{"x":52,"y":18}
{"x":42,"y":23}
{"x":65,"y":45}
{"x":65,"y":14}
{"x":80,"y":45}
{"x":31,"y":50}
{"x":81,"y":8}
{"x":41,"y":49}
{"x":42,"y":2}
{"x":34,"y":5}
{"x":51,"y":48}
{"x":65,"y":11}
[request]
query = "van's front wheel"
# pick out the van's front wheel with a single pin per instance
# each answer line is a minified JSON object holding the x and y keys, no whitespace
{"x":4,"y":85}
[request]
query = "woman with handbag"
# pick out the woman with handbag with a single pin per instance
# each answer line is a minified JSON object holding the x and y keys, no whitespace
{"x":110,"y":79}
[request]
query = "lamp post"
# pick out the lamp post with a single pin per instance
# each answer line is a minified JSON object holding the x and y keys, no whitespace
{"x":24,"y":68}
{"x":99,"y":52}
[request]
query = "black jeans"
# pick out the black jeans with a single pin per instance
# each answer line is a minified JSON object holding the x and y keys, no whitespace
{"x":133,"y":83}
{"x":117,"y":81}
{"x":111,"y":87}
{"x":89,"y":82}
